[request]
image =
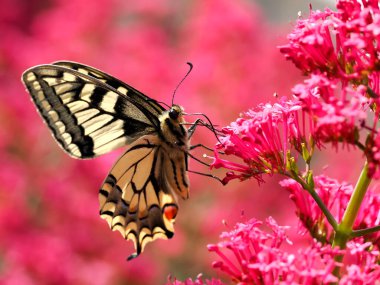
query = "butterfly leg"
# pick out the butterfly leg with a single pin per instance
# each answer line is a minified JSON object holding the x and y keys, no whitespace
{"x":200,"y":122}
{"x":198,"y":160}
{"x":205,"y":147}
{"x":201,"y":173}
{"x":191,"y":130}
{"x":200,"y":145}
{"x":207,"y":175}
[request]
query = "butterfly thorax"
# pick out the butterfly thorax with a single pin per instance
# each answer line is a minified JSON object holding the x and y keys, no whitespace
{"x":172,"y":130}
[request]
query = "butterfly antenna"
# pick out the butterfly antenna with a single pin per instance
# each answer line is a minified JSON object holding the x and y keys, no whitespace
{"x":175,"y":90}
{"x":163,"y":103}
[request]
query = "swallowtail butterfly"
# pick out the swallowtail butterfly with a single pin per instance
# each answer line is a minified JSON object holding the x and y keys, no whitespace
{"x":91,"y":113}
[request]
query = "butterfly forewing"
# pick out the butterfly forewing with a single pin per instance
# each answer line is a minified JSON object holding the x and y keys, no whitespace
{"x":137,"y":198}
{"x":89,"y":112}
{"x":148,"y":104}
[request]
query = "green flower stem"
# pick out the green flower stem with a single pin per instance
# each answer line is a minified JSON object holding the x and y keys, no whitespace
{"x":330,"y":218}
{"x":363,"y":232}
{"x":309,"y":188}
{"x":345,"y":227}
{"x":344,"y":230}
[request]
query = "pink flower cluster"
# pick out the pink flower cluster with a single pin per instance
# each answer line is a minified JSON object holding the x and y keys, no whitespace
{"x":338,"y":51}
{"x":262,"y":139}
{"x":338,"y":112}
{"x":250,"y":255}
{"x":338,"y":104}
{"x":335,"y":196}
{"x":197,"y":281}
{"x":340,"y":44}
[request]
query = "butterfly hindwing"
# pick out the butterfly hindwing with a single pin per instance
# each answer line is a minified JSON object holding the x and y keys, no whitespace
{"x":89,"y":112}
{"x":138,"y":198}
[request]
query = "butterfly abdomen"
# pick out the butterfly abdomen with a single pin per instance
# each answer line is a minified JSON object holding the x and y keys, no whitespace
{"x":175,"y":147}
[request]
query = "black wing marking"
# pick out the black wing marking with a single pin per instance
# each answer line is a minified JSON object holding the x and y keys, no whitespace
{"x":133,"y":94}
{"x":88,"y":116}
{"x":137,"y":197}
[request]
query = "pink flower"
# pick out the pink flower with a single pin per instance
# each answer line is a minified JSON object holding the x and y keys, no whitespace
{"x":372,"y":152}
{"x":244,"y":171}
{"x":362,"y":264}
{"x":250,"y":255}
{"x":262,"y":139}
{"x":338,"y":113}
{"x":311,"y":46}
{"x":197,"y":281}
{"x":339,"y":50}
{"x":335,"y":196}
{"x":341,"y":44}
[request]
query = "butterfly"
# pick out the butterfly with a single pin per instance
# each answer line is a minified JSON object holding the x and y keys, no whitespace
{"x":91,"y":113}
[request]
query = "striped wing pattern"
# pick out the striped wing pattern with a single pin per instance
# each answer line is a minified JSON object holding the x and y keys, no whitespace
{"x":136,"y":96}
{"x":89,"y":112}
{"x":139,"y":196}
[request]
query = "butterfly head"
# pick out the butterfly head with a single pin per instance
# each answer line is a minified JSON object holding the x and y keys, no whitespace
{"x":175,"y":113}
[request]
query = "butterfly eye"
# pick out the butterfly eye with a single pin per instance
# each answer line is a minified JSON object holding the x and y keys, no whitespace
{"x":173,"y":114}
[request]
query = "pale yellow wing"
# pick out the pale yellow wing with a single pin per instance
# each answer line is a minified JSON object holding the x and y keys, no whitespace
{"x":139,"y":196}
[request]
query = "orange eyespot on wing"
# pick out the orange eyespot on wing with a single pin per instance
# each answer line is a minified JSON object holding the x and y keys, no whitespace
{"x":170,"y":212}
{"x":136,"y":199}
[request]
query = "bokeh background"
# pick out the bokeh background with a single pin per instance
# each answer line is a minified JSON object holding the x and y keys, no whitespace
{"x":50,"y":231}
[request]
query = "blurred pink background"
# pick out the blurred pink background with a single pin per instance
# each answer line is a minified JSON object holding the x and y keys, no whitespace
{"x":50,"y":230}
